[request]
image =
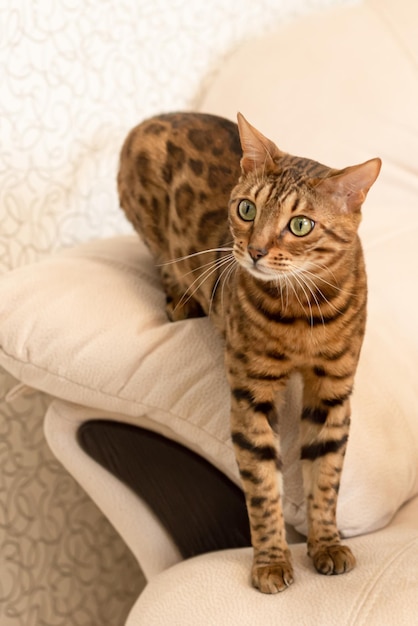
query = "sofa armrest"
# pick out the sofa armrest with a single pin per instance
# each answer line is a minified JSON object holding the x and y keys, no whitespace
{"x":135,"y":522}
{"x":201,"y":509}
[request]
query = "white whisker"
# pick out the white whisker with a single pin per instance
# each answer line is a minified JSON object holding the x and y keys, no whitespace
{"x":319,"y":277}
{"x":201,"y":267}
{"x":321,"y":294}
{"x":302,"y":285}
{"x":233,"y":268}
{"x":230,"y":265}
{"x":199,"y":280}
{"x":326,"y":270}
{"x":280,"y":286}
{"x":189,"y":256}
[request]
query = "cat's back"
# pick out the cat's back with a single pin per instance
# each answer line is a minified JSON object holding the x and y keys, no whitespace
{"x":178,"y":166}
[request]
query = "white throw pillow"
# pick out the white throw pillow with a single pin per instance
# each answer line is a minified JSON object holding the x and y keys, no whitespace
{"x":89,"y":326}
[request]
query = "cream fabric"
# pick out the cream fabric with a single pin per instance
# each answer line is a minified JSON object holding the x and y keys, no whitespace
{"x":214,"y":589}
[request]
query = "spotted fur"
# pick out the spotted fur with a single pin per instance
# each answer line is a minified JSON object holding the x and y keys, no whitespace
{"x":283,"y":302}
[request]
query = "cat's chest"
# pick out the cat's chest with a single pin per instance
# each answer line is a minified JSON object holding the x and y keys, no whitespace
{"x":279,"y":332}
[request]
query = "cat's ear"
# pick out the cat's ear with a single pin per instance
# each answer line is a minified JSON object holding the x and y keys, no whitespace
{"x":351,"y":185}
{"x":257,"y":150}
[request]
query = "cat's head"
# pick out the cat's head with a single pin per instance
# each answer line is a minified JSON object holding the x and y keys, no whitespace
{"x":289,"y":214}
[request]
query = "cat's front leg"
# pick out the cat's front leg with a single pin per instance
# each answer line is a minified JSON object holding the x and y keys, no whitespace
{"x":258,"y":457}
{"x":325,"y":429}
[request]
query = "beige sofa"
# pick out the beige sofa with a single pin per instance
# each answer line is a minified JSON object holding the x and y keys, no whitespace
{"x":88,"y":327}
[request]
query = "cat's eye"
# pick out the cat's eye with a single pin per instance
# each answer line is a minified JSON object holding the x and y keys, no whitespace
{"x":301,"y":225}
{"x":247,"y":210}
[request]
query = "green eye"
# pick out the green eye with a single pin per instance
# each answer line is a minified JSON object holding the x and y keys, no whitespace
{"x":247,"y":210}
{"x":301,"y":226}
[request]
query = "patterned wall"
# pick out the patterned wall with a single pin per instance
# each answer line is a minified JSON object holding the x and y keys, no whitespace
{"x":75,"y":75}
{"x":61,"y":563}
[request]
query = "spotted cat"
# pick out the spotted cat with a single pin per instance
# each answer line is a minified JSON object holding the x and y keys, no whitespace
{"x":266,"y":244}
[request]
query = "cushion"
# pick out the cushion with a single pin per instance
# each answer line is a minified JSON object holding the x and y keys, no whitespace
{"x":88,"y":326}
{"x":362,"y":597}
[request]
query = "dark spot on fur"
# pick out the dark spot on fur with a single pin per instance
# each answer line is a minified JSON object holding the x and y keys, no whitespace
{"x":142,"y":200}
{"x":337,"y":401}
{"x":316,"y":450}
{"x":154,"y":129}
{"x":158,"y":235}
{"x":243,"y":394}
{"x":334,"y":356}
{"x":212,"y":218}
{"x":142,"y":163}
{"x":330,"y":501}
{"x":268,"y":377}
{"x":219,"y":176}
{"x":155,"y":204}
{"x":174,"y":161}
{"x":247,"y":475}
{"x":257,"y":501}
{"x":261,"y":453}
{"x":315,"y":415}
{"x":196,"y":166}
{"x":231,"y":130}
{"x":217,"y":150}
{"x":241,"y":356}
{"x":199,"y":138}
{"x":264,"y":407}
{"x":176,"y":154}
{"x":278,"y":356}
{"x":259,"y":527}
{"x":184,"y":198}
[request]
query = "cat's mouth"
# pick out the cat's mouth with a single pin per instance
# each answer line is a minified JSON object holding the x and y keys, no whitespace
{"x":261,"y":269}
{"x":262,"y":272}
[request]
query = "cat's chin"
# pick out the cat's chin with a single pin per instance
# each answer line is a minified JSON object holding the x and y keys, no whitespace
{"x":262,"y":273}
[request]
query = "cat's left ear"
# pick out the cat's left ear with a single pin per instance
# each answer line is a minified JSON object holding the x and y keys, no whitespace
{"x":351,"y":185}
{"x":257,"y":150}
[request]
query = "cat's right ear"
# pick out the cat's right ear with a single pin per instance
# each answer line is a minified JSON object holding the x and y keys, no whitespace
{"x":350,"y":185}
{"x":258,"y":152}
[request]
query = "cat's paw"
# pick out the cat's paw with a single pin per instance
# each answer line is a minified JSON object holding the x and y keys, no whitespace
{"x":272,"y":578}
{"x":334,"y":559}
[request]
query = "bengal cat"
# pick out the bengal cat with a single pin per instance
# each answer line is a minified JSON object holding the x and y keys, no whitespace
{"x":266,"y":244}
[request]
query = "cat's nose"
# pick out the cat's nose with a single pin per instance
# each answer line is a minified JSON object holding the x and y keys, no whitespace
{"x":256,"y":252}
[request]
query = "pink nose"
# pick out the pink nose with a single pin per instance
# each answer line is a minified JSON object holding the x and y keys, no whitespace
{"x":255,"y":252}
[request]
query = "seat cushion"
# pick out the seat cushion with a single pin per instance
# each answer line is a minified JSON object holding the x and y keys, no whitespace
{"x":382,"y":589}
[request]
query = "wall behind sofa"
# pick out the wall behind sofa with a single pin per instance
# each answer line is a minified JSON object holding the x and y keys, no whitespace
{"x":75,"y":76}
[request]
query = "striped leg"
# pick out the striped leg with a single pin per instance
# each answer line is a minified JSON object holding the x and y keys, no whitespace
{"x":259,"y":463}
{"x":325,"y":428}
